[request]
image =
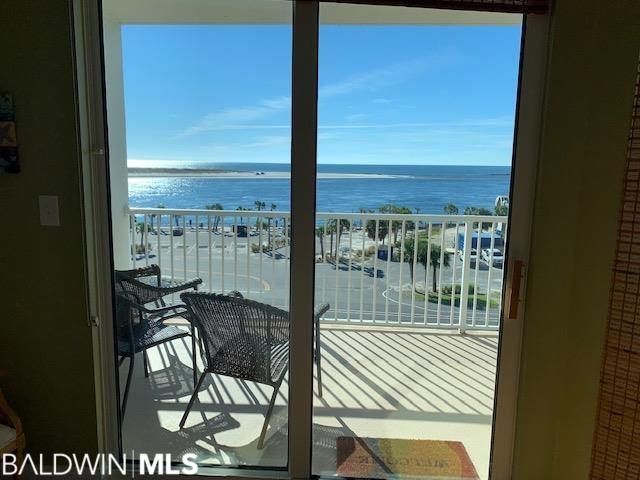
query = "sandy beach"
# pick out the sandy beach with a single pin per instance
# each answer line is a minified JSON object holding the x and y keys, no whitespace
{"x":209,"y":173}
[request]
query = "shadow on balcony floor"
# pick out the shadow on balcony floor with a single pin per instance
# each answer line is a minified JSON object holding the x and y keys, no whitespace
{"x":380,"y":382}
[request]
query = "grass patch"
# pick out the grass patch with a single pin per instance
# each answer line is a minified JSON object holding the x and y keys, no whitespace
{"x":494,"y":301}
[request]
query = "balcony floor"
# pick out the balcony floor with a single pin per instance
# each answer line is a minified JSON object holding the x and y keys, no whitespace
{"x":378,"y":382}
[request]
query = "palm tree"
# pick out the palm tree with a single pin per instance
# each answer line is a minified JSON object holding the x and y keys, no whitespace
{"x":425,"y":260}
{"x":450,"y":209}
{"x":153,"y":216}
{"x":434,"y":261}
{"x":343,"y":225}
{"x":217,"y":218}
{"x":320,"y":235}
{"x":383,"y":230}
{"x":396,"y":225}
{"x":259,"y":206}
{"x":273,"y":207}
{"x":141,"y":230}
{"x":242,"y":209}
{"x":478,"y":211}
{"x":408,"y":255}
{"x":330,"y":228}
{"x":362,"y":210}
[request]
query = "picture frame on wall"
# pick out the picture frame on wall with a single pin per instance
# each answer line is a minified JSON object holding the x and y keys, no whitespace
{"x":9,"y":162}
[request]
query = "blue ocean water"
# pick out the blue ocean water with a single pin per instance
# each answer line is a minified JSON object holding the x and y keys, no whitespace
{"x":426,"y":187}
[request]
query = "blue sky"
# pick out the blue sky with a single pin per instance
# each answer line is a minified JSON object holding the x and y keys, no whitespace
{"x":388,"y":94}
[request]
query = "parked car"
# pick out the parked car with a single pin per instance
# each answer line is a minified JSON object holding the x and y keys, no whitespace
{"x":498,"y":257}
{"x":473,"y":256}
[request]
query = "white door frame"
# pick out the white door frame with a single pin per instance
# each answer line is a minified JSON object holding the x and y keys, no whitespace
{"x":91,"y":105}
{"x":95,"y":185}
{"x":533,"y":66}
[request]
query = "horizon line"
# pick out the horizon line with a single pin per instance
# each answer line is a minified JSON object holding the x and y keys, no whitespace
{"x":321,"y":163}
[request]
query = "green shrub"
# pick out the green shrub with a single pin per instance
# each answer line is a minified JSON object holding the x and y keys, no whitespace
{"x":446,"y":289}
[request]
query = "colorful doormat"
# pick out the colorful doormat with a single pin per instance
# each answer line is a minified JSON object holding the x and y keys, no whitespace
{"x":392,"y":457}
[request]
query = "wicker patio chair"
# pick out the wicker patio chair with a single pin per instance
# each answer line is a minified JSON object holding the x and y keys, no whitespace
{"x":12,"y":437}
{"x":246,"y":340}
{"x":148,"y":286}
{"x":147,"y":272}
{"x":140,"y":328}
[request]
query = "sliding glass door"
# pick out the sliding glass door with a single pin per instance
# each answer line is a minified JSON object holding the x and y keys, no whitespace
{"x":415,"y":140}
{"x":199,"y":117}
{"x":309,"y":220}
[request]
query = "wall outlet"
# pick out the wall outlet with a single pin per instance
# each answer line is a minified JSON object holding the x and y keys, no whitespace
{"x":49,"y":211}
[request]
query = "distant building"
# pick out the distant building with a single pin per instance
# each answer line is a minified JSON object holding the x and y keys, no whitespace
{"x":502,"y":200}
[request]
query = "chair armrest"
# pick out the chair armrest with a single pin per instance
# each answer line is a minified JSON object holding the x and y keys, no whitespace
{"x":155,"y":311}
{"x":152,"y":270}
{"x":179,"y":287}
{"x":320,"y":310}
{"x":7,"y":412}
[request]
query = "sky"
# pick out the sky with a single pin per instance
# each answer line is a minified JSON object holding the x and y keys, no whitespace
{"x":412,"y":95}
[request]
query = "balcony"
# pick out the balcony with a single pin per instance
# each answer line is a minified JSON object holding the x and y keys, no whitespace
{"x":394,"y":361}
{"x":366,"y":266}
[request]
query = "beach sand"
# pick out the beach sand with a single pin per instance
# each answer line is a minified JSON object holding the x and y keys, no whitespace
{"x":150,"y":173}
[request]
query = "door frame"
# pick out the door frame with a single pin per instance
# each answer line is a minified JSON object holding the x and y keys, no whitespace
{"x":95,"y":176}
{"x":531,"y":89}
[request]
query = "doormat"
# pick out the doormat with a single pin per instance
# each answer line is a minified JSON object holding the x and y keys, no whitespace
{"x":393,"y":457}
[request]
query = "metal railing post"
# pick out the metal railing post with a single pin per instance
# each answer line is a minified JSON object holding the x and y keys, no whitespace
{"x":466,"y":273}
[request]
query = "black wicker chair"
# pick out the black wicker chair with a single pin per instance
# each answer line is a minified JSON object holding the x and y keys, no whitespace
{"x":245,"y":339}
{"x":146,"y":286}
{"x":140,"y":328}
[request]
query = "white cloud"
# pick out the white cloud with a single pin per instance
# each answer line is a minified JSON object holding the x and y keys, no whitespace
{"x":374,"y":79}
{"x":381,"y":101}
{"x":236,"y":116}
{"x":354,"y":117}
{"x":239,"y":117}
{"x":327,"y":136}
{"x":486,"y":122}
{"x":268,"y":141}
{"x":279,"y":103}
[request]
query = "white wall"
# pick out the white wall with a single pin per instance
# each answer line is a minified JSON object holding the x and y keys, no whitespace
{"x":117,"y":143}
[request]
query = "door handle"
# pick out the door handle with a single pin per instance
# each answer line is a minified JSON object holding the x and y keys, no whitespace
{"x":516,"y":279}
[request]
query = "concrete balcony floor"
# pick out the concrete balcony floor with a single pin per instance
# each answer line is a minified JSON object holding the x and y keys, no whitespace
{"x":379,"y":382}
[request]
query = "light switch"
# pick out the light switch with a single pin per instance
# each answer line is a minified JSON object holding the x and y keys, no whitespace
{"x":49,"y":212}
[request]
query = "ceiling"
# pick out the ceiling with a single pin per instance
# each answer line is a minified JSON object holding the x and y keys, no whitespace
{"x":280,"y":12}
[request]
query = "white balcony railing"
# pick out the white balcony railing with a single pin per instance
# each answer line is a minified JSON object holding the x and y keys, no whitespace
{"x":366,"y":265}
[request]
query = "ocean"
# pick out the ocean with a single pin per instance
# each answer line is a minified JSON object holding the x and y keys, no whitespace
{"x":425,"y":187}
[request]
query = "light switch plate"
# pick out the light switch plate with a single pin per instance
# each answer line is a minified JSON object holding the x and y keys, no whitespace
{"x":49,"y":211}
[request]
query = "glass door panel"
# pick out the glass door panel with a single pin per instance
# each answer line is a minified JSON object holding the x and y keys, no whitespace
{"x":199,"y":111}
{"x":415,"y":137}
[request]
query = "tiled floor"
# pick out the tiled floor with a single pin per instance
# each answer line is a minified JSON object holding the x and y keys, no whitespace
{"x":378,"y":382}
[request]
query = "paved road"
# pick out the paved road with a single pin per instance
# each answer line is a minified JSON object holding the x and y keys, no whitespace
{"x":355,"y":293}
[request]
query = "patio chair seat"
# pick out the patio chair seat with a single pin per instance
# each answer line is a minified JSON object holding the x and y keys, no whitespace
{"x":7,"y":436}
{"x":141,"y":328}
{"x":150,"y":338}
{"x":242,"y":360}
